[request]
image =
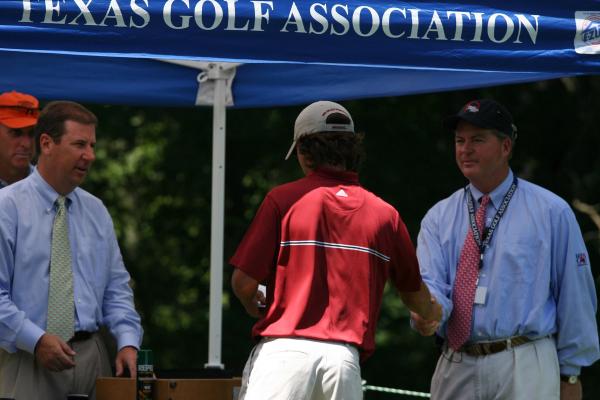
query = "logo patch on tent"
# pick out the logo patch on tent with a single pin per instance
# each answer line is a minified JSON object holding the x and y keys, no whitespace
{"x":581,"y":259}
{"x":587,"y":35}
{"x":341,"y":193}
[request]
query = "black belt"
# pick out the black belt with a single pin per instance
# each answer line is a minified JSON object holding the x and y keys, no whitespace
{"x":80,"y":336}
{"x":487,"y":348}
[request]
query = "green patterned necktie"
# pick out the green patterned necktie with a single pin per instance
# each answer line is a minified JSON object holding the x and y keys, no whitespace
{"x":61,"y":307}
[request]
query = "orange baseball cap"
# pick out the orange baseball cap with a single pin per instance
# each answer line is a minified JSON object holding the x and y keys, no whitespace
{"x":18,"y":110}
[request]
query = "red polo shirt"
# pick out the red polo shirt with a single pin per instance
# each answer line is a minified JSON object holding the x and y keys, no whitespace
{"x":324,"y":247}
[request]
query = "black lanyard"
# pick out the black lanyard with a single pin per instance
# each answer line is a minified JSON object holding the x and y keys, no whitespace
{"x":487,"y":236}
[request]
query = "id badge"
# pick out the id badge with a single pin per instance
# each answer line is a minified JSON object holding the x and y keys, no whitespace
{"x":480,"y":295}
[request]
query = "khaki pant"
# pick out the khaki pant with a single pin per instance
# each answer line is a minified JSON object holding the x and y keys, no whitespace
{"x":22,"y":378}
{"x":525,"y":372}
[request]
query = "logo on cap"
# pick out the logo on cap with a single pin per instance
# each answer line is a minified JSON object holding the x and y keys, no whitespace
{"x":472,"y":107}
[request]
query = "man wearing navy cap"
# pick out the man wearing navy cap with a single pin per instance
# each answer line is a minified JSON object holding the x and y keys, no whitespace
{"x":325,"y":247}
{"x":507,"y":261}
{"x":18,"y":115}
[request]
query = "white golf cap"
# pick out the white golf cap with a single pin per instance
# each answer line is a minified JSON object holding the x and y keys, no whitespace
{"x":321,"y":116}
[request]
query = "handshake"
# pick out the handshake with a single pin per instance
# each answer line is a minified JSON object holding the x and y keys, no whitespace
{"x":425,"y":311}
{"x":427,"y":324}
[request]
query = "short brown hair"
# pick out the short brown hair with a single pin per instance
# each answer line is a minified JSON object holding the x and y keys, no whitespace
{"x":339,"y":149}
{"x":54,"y":115}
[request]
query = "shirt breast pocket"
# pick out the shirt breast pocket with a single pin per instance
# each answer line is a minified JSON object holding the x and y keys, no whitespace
{"x":94,"y":265}
{"x":520,"y":261}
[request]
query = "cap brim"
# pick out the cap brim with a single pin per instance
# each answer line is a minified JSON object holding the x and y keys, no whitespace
{"x":292,"y":147}
{"x":451,"y":122}
{"x":18,"y":123}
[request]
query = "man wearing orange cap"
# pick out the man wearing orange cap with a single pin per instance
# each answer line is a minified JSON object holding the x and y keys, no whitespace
{"x":18,"y":115}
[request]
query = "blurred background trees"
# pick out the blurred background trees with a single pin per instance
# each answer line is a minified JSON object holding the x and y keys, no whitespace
{"x":153,"y":172}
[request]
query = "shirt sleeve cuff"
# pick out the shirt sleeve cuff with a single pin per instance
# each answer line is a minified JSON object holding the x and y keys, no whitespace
{"x":569,"y":370}
{"x":445,"y":315}
{"x":28,"y":336}
{"x":128,"y":339}
{"x":446,"y":306}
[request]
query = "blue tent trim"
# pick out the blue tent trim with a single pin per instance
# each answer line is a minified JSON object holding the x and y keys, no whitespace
{"x":150,"y":82}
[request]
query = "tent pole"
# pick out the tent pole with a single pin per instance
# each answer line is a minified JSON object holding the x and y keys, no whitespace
{"x":214,"y":89}
{"x":217,"y":221}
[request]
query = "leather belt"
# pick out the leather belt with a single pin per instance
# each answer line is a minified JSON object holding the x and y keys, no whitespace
{"x":80,"y":336}
{"x":487,"y":348}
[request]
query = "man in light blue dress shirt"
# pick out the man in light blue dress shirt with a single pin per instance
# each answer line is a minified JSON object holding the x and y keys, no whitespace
{"x":533,"y":321}
{"x":35,"y":364}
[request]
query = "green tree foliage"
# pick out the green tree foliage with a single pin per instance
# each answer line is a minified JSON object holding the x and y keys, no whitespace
{"x":153,"y":171}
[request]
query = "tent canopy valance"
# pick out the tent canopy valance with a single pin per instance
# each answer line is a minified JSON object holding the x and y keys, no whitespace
{"x":515,"y":36}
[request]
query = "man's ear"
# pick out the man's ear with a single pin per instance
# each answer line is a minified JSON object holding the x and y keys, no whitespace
{"x":46,"y":143}
{"x":507,"y":145}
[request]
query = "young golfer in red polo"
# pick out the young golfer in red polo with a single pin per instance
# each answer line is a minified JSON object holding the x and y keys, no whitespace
{"x":324,"y":247}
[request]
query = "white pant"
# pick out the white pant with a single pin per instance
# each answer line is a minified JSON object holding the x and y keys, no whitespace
{"x":525,"y":372}
{"x":301,"y":369}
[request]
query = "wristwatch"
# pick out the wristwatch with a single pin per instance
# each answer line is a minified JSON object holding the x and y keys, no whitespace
{"x":570,"y":379}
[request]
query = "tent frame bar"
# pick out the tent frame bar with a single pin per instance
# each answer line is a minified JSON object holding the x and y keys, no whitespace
{"x":215,"y":73}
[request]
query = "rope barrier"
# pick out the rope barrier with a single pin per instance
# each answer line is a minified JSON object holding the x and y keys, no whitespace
{"x":394,"y":391}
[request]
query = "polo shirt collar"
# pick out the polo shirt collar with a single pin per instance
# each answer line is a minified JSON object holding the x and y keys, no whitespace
{"x":330,"y":173}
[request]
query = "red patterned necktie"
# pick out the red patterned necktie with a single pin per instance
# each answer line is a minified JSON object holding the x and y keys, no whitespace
{"x":465,"y":284}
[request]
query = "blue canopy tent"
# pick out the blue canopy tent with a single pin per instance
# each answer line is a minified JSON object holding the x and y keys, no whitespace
{"x":256,"y":53}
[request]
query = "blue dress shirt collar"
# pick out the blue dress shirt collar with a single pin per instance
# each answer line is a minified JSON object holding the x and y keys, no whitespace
{"x":496,"y":195}
{"x":47,"y":192}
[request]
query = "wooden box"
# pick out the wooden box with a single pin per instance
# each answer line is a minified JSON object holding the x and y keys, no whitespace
{"x":115,"y":389}
{"x":170,"y":389}
{"x":196,"y":389}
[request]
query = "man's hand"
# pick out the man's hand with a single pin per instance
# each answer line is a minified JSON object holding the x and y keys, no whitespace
{"x":253,"y":307}
{"x":571,"y":391}
{"x":246,"y":289}
{"x":126,"y":358}
{"x":423,"y":303}
{"x":437,"y":310}
{"x":54,"y":354}
{"x":424,"y":326}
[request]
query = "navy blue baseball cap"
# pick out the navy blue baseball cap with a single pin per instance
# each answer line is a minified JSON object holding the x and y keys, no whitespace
{"x":485,"y":113}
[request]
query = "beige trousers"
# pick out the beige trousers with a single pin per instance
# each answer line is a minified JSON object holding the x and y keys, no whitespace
{"x":525,"y":372}
{"x":22,"y":378}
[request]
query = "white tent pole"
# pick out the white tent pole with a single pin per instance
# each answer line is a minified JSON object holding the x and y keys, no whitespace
{"x":214,"y":89}
{"x":217,"y":219}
